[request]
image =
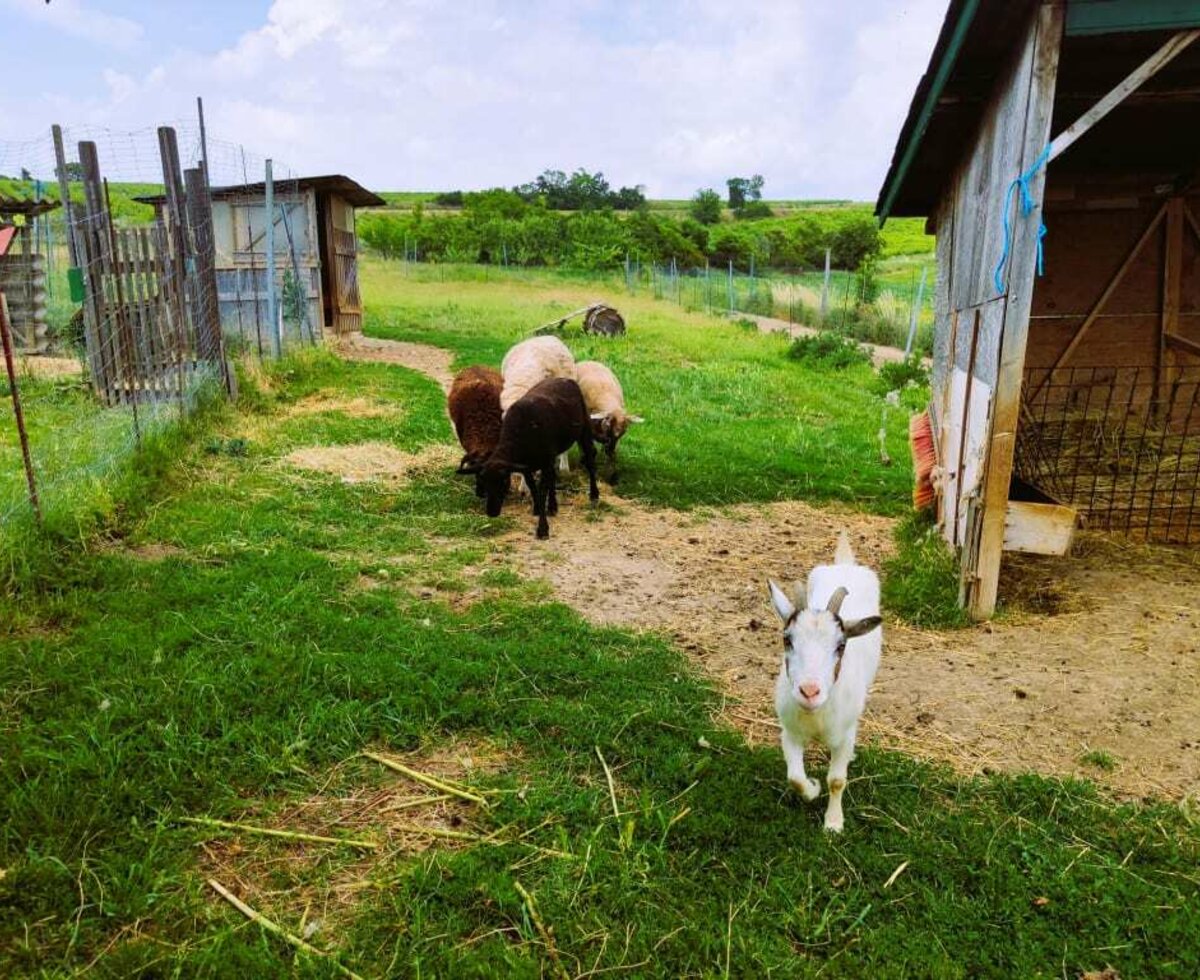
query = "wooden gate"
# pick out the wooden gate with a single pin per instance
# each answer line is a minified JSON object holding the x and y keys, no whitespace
{"x":347,"y":314}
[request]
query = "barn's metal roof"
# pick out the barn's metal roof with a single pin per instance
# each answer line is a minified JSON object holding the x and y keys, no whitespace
{"x":354,"y":193}
{"x":1151,"y":133}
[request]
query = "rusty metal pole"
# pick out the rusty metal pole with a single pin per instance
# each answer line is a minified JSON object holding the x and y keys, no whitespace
{"x":6,"y":336}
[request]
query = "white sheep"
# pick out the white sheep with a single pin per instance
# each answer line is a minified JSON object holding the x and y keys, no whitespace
{"x":530,"y":362}
{"x":832,"y":645}
{"x":606,"y":406}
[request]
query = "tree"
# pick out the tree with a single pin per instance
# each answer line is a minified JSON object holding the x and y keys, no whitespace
{"x":25,"y":174}
{"x":706,"y":206}
{"x":743,"y":189}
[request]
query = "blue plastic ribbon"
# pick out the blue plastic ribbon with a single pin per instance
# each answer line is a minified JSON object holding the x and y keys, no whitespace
{"x":1027,"y":205}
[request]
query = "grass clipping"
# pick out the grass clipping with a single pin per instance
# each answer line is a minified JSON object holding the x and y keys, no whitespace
{"x":370,"y":462}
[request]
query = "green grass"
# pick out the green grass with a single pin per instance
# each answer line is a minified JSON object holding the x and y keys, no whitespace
{"x":729,"y":418}
{"x":920,"y":581}
{"x":241,"y":671}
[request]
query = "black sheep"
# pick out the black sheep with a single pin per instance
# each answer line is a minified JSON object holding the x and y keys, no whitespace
{"x":537,"y":428}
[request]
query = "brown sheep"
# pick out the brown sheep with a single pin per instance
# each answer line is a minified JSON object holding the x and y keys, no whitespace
{"x":474,"y":406}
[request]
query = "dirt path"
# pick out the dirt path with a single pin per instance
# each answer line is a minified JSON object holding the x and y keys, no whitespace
{"x":432,"y":361}
{"x":1109,"y":680}
{"x":1115,"y":675}
{"x":880,"y":354}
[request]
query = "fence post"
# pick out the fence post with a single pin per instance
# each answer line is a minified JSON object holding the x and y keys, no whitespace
{"x":825,"y":286}
{"x":176,"y":261}
{"x":916,"y":312}
{"x":272,"y":311}
{"x":18,"y":414}
{"x":730,"y":290}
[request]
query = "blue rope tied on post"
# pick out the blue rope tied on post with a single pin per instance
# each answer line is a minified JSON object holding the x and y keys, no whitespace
{"x":1027,"y":205}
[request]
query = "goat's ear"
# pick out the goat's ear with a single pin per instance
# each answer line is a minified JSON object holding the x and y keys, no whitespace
{"x":783,"y":605}
{"x":635,"y":419}
{"x":861,"y":627}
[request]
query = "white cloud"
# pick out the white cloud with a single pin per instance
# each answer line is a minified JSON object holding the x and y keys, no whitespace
{"x":81,"y":20}
{"x":675,"y":95}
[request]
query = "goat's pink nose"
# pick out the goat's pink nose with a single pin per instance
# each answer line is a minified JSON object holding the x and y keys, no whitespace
{"x":810,"y":691}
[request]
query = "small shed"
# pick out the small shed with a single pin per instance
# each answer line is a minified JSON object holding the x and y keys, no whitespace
{"x":1054,"y":148}
{"x":23,"y":276}
{"x":316,"y":249}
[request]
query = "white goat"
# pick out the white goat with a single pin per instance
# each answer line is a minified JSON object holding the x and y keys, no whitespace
{"x":531,"y":362}
{"x":832,"y":644}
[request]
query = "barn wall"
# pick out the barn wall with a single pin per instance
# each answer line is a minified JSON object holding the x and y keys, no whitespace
{"x":1091,"y":234}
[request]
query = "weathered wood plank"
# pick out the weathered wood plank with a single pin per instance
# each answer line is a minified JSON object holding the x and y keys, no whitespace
{"x":1146,"y":70}
{"x":1046,"y":37}
{"x":1039,"y":529}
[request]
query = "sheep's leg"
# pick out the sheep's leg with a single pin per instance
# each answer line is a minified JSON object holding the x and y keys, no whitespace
{"x":793,"y":754}
{"x":550,"y":488}
{"x":610,"y":450}
{"x":587,"y":446}
{"x":839,"y":762}
{"x":539,"y":496}
{"x":531,"y":481}
{"x":564,"y":464}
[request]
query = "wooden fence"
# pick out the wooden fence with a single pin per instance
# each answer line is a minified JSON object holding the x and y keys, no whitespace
{"x":150,"y":310}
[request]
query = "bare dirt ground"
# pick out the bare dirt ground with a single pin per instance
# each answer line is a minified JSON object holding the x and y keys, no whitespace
{"x":880,"y":354}
{"x":433,"y":361}
{"x":1102,"y":683}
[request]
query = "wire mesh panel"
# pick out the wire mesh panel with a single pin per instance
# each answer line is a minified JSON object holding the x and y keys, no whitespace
{"x":1120,"y":444}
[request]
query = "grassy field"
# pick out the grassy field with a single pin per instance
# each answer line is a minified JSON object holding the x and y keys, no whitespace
{"x":247,"y":629}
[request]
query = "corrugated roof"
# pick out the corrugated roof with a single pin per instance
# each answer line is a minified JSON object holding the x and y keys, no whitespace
{"x":354,"y":193}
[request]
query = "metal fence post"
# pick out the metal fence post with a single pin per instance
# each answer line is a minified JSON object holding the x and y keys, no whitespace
{"x":825,"y":286}
{"x":18,"y":414}
{"x":274,"y":324}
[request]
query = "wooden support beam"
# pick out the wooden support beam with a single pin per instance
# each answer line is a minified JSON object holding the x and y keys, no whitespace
{"x":980,"y":593}
{"x":1191,"y":220}
{"x":1176,"y":342}
{"x":1105,"y":296}
{"x":1172,"y":298}
{"x":1147,"y":70}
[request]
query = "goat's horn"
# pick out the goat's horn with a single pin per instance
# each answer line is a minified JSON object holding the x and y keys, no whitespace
{"x":835,"y":600}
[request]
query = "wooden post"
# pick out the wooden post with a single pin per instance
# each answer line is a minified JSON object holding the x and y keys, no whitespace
{"x":207,"y":315}
{"x":825,"y":284}
{"x":95,"y":241}
{"x":272,"y":316}
{"x":18,"y":413}
{"x":1047,"y":40}
{"x":1172,"y":300}
{"x":128,"y":368}
{"x":175,"y":261}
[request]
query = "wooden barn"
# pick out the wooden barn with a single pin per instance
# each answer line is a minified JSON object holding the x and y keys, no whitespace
{"x":316,"y":249}
{"x":23,"y":272}
{"x":1054,"y":148}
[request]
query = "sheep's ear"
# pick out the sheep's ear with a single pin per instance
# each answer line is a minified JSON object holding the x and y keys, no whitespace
{"x":783,"y":605}
{"x":861,"y":627}
{"x":636,"y":419}
{"x":598,"y":416}
{"x":469,"y":466}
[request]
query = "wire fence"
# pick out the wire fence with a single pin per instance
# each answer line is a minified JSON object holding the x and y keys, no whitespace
{"x":124,"y":307}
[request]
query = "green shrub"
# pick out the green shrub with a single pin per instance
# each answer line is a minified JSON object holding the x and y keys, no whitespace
{"x":705,"y":207}
{"x":895,"y":375}
{"x":753,"y":211}
{"x":829,"y":350}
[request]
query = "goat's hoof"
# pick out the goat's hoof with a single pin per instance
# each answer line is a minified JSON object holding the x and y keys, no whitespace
{"x":810,"y":789}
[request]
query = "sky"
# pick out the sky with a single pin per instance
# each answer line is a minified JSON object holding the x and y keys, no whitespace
{"x":442,"y":94}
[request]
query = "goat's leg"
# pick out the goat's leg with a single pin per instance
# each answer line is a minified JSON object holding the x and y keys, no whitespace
{"x":839,"y":762}
{"x":793,"y":754}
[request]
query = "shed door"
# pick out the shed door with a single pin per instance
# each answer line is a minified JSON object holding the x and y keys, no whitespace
{"x":345,"y":299}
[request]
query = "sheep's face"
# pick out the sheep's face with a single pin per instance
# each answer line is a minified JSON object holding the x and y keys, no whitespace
{"x":608,"y":429}
{"x":493,"y":481}
{"x":813,"y":644}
